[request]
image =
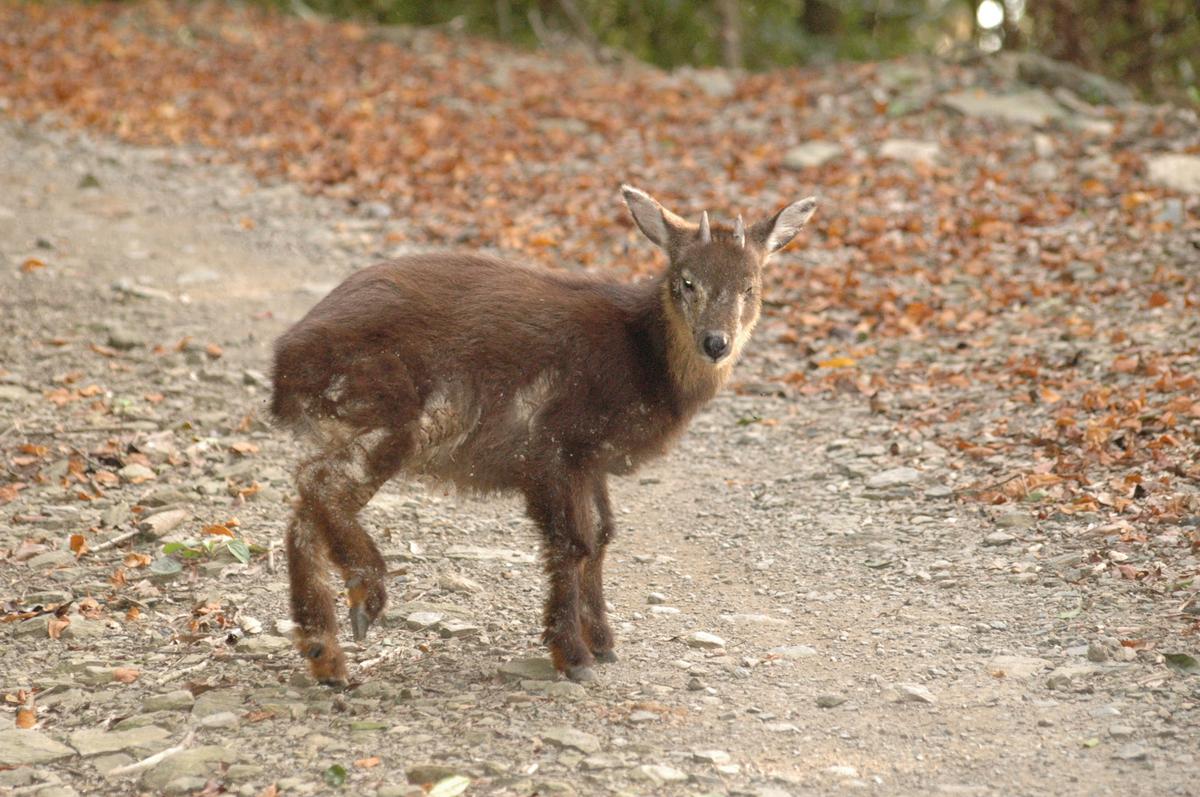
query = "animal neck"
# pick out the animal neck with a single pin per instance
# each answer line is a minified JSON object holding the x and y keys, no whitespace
{"x":693,"y":379}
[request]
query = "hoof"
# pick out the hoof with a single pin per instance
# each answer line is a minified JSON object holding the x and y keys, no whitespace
{"x":334,"y":683}
{"x":581,"y":674}
{"x":326,"y":662}
{"x":605,"y":656}
{"x":360,"y":622}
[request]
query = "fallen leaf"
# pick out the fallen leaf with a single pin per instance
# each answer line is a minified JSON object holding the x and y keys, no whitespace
{"x":126,"y":675}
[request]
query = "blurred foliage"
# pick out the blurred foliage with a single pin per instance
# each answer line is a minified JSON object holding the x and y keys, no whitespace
{"x":1153,"y":44}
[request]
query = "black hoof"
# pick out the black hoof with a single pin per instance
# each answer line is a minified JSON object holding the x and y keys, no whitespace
{"x":604,"y":656}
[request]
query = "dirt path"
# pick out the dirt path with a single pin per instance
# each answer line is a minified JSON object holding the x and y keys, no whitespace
{"x":876,"y":635}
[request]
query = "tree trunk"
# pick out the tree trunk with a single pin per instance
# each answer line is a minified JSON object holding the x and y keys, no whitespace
{"x":731,"y":33}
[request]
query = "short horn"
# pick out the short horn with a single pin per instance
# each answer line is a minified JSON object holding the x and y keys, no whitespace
{"x":705,"y":232}
{"x":739,"y":232}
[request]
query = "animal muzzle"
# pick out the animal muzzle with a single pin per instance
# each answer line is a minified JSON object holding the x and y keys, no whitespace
{"x":715,"y":345}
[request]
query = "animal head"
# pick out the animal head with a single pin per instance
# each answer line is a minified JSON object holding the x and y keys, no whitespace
{"x":713,"y":288}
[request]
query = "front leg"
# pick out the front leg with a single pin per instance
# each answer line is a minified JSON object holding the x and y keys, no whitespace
{"x":561,"y":508}
{"x":594,"y":614}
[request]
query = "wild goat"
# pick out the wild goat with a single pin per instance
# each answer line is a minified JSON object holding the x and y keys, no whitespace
{"x":493,"y":376}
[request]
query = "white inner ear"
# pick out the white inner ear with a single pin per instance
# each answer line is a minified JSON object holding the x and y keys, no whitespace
{"x":789,"y":222}
{"x":647,"y":213}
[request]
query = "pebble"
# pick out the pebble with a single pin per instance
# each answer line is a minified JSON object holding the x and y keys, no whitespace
{"x":658,"y":774}
{"x":259,"y":645}
{"x":453,"y":582}
{"x":1017,"y":667}
{"x":997,"y":538}
{"x":711,"y":756}
{"x":809,"y":154}
{"x":704,"y":640}
{"x":915,"y":693}
{"x":530,"y":669}
{"x":175,"y":700}
{"x":455,"y":629}
{"x":479,"y":554}
{"x":1120,"y":731}
{"x":793,"y":651}
{"x":1063,"y":677}
{"x":910,"y":150}
{"x":419,"y":621}
{"x":194,"y":762}
{"x":830,"y":700}
{"x":1132,"y":752}
{"x":220,"y":719}
{"x":429,"y":773}
{"x":571,"y":738}
{"x":160,"y":524}
{"x":656,"y":598}
{"x":894,"y":477}
{"x":640,"y":717}
{"x":136,"y":473}
{"x":1015,"y":520}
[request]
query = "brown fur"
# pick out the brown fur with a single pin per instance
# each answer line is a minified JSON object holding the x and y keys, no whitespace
{"x":493,"y":376}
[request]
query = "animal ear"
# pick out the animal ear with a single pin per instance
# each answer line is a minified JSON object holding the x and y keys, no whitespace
{"x":659,"y":224}
{"x":774,"y":233}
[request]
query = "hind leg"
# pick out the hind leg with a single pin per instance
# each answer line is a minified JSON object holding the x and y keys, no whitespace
{"x":334,"y":487}
{"x":312,"y":599}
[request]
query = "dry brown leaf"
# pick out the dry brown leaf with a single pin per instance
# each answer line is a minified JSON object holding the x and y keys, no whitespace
{"x":126,"y":675}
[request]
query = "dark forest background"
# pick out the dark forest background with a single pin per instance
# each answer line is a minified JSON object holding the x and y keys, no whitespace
{"x":1153,"y":45}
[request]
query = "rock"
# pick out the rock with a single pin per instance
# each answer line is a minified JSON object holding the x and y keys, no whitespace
{"x":1017,"y":668}
{"x":220,"y":719}
{"x":479,"y":554}
{"x":571,"y":738}
{"x":1034,"y":107}
{"x":115,"y":515}
{"x":1015,"y":520}
{"x":658,"y":774}
{"x":939,"y":491}
{"x":810,"y":154}
{"x":640,"y":717}
{"x":910,"y":150}
{"x":793,"y":651}
{"x":187,"y":784}
{"x":454,"y":629}
{"x":51,"y":559}
{"x":176,"y":700}
{"x":711,"y":756}
{"x":662,"y":610}
{"x":19,"y":747}
{"x":93,"y":741}
{"x":1120,"y":731}
{"x":829,"y":700}
{"x":124,"y":339}
{"x":1063,"y":677}
{"x":260,"y":645}
{"x":419,"y":621}
{"x":568,"y":690}
{"x":530,"y":669}
{"x":915,"y":693}
{"x":600,"y":761}
{"x":216,"y":701}
{"x":376,"y":209}
{"x":757,"y":619}
{"x":429,"y":773}
{"x":1177,"y":172}
{"x":1132,"y":752}
{"x":893,"y":478}
{"x":841,"y":771}
{"x":82,"y":629}
{"x":453,"y":582}
{"x":195,"y":762}
{"x":136,"y":473}
{"x":704,"y":641}
{"x":159,"y":525}
{"x":997,"y":538}
{"x":1039,"y":70}
{"x":656,"y":598}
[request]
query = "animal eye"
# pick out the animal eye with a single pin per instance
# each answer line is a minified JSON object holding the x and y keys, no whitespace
{"x":748,"y":290}
{"x":688,"y":285}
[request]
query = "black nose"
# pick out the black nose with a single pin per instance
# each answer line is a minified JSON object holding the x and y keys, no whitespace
{"x":716,"y":344}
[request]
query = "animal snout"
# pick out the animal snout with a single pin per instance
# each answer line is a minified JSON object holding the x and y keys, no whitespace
{"x":716,"y":345}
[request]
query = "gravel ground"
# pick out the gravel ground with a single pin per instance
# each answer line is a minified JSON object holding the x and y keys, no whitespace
{"x":803,"y":604}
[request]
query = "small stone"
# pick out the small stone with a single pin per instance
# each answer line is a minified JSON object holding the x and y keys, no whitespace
{"x":429,"y":773}
{"x":664,"y":610}
{"x":810,"y":154}
{"x":175,"y":700}
{"x":21,"y":747}
{"x":1034,"y":107}
{"x":571,"y":738}
{"x":50,"y":559}
{"x":479,"y":554}
{"x":1015,"y":520}
{"x":530,"y":669}
{"x":893,"y":477}
{"x":1063,"y":677}
{"x":567,"y":690}
{"x":997,"y":538}
{"x":221,"y":719}
{"x":910,"y":150}
{"x":757,"y":619}
{"x":915,"y":693}
{"x":97,"y":742}
{"x":1132,"y":752}
{"x":455,"y":629}
{"x":185,"y":784}
{"x":259,"y":645}
{"x":705,"y":641}
{"x":1017,"y":667}
{"x":136,"y":473}
{"x":939,"y":491}
{"x":715,"y":83}
{"x":640,"y":717}
{"x":829,"y":700}
{"x":711,"y":756}
{"x":115,"y":515}
{"x":841,"y":771}
{"x":600,"y":761}
{"x":1178,"y":172}
{"x":453,"y":582}
{"x":124,"y":339}
{"x":1120,"y":731}
{"x":82,"y":629}
{"x":793,"y":651}
{"x":656,"y":598}
{"x":419,"y":621}
{"x":160,"y":524}
{"x":658,"y":773}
